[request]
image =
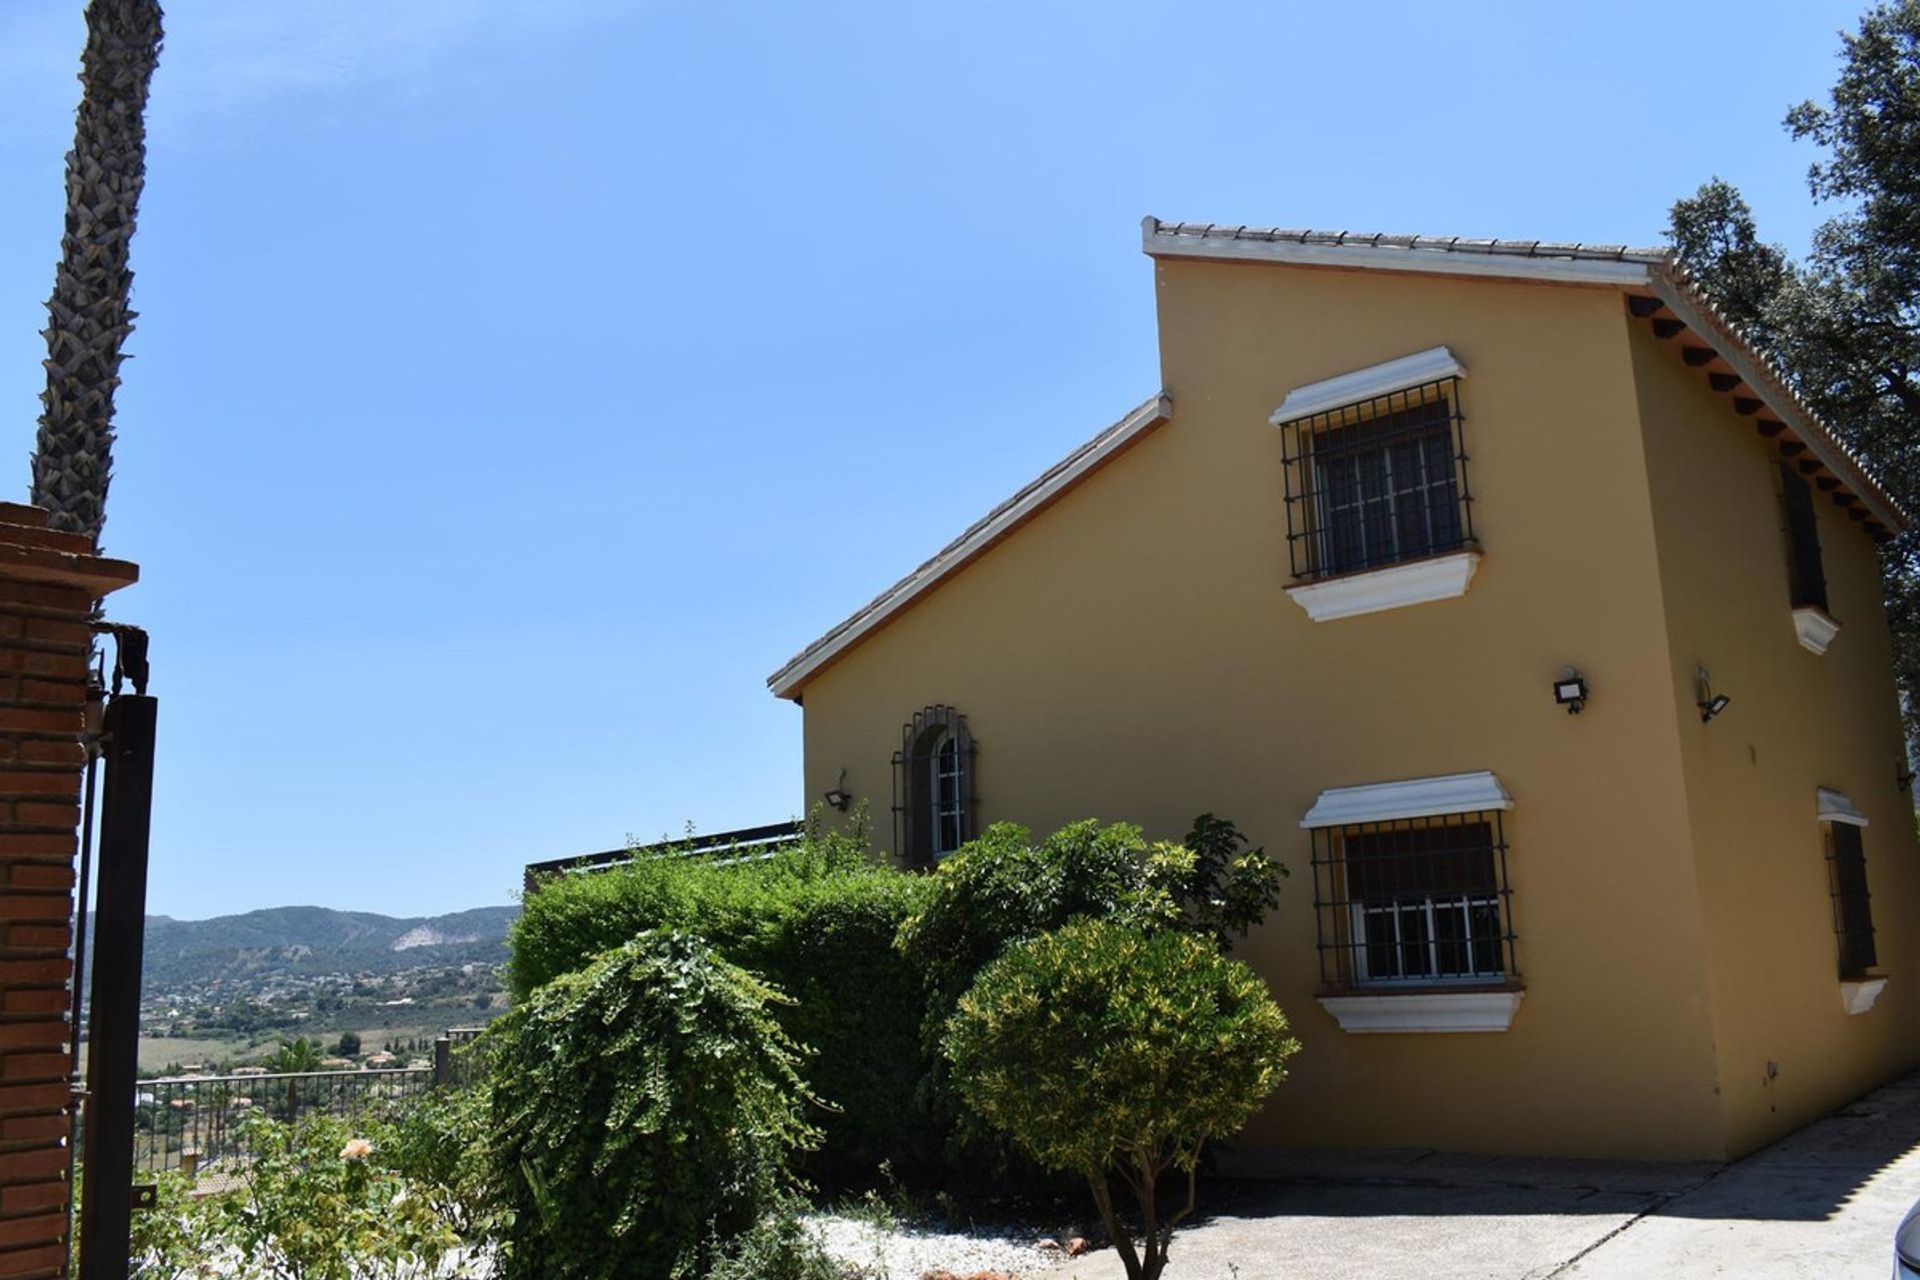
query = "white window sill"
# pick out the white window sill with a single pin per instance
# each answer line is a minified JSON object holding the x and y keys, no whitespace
{"x":1815,"y":628}
{"x":1858,"y":994}
{"x":1394,"y":587}
{"x":1423,"y":1011}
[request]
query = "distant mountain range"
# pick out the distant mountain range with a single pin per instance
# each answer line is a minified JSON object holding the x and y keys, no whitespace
{"x":316,"y":940}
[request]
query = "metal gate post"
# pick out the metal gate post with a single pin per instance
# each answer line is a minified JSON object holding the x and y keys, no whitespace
{"x":113,"y":1027}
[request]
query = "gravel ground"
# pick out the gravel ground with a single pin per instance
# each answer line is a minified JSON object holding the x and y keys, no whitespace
{"x":907,"y":1252}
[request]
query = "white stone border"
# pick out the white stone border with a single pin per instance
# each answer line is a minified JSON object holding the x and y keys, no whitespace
{"x":1413,"y":798}
{"x":1415,"y":370}
{"x":1858,"y":995}
{"x":1814,"y":628}
{"x":1837,"y":806}
{"x":1394,"y":587}
{"x":1426,"y":1012}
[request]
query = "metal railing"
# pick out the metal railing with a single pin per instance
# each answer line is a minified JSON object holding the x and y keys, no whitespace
{"x":747,"y":842}
{"x":198,"y":1123}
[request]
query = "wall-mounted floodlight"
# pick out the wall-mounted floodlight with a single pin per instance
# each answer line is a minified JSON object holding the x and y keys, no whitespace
{"x":838,"y":797}
{"x":1710,"y":703}
{"x":1570,"y":691}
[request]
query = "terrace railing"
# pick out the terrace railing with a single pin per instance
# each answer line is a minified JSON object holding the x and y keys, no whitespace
{"x":748,"y":842}
{"x":199,"y":1122}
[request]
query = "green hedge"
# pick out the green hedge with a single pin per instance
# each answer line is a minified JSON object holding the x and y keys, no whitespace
{"x":819,"y":923}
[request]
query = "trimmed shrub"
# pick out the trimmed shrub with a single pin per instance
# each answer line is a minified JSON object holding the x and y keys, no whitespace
{"x":819,"y":923}
{"x":575,"y":918}
{"x":1003,"y":888}
{"x":645,"y":1110}
{"x":1112,"y":1053}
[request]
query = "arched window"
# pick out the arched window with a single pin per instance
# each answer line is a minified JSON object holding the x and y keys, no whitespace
{"x":933,"y":786}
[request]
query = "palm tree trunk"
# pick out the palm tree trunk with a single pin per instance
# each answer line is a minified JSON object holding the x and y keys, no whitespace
{"x":89,"y":316}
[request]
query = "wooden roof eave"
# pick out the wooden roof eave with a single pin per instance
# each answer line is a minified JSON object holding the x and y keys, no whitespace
{"x":1734,"y":370}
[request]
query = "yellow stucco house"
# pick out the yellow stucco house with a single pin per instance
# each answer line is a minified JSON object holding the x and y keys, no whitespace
{"x":1402,"y":505}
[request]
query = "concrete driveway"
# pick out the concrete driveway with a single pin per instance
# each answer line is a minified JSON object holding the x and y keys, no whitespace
{"x":1818,"y":1205}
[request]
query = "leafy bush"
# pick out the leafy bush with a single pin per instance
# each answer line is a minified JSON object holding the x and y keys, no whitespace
{"x":1003,"y":888}
{"x":1228,"y":888}
{"x":314,"y":1205}
{"x":819,"y":923}
{"x":174,"y":1238}
{"x":438,"y":1144}
{"x":644,"y":1109}
{"x":778,"y":1247}
{"x":1111,"y":1052}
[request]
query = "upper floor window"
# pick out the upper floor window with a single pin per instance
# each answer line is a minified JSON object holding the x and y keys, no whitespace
{"x":1806,"y":576}
{"x":1377,"y":482}
{"x":933,"y":786}
{"x":1808,"y":580}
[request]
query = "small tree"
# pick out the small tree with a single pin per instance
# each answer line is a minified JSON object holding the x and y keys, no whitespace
{"x":349,"y":1045}
{"x":1117,"y":1054}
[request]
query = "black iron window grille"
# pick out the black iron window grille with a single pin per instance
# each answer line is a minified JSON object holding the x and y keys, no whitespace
{"x":1417,"y":901}
{"x":1377,"y":482}
{"x":933,"y":800}
{"x":1852,"y":913}
{"x":1807,"y":577}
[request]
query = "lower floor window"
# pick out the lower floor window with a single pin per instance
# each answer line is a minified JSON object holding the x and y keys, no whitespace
{"x":1420,"y":900}
{"x":933,"y":786}
{"x":1431,"y":938}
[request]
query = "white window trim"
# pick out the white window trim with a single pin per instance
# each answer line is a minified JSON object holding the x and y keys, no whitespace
{"x":1414,"y":798}
{"x":1415,"y":370}
{"x":945,"y":749}
{"x":1814,"y":628}
{"x":1858,"y":995}
{"x":1394,"y":587}
{"x":1836,"y":806}
{"x":1429,"y":1012}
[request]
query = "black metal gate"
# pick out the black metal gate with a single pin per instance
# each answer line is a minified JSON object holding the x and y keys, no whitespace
{"x":126,"y":742}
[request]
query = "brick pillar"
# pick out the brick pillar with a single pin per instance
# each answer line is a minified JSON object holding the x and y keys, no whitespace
{"x":49,"y":583}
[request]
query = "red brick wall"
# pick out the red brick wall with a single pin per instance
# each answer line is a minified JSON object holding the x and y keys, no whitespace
{"x":48,"y":586}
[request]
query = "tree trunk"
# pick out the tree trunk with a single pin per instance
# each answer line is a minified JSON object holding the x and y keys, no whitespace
{"x":88,"y":313}
{"x":1116,"y":1230}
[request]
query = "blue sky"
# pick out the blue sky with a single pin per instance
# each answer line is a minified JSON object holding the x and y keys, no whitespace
{"x":519,"y":382}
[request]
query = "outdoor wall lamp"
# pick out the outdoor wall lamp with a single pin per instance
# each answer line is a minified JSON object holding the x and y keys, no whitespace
{"x":838,"y":797}
{"x":1710,"y":703}
{"x":1570,"y":691}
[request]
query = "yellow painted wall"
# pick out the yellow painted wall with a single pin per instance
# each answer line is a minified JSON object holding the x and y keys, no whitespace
{"x":1131,"y":654}
{"x":1798,"y":721}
